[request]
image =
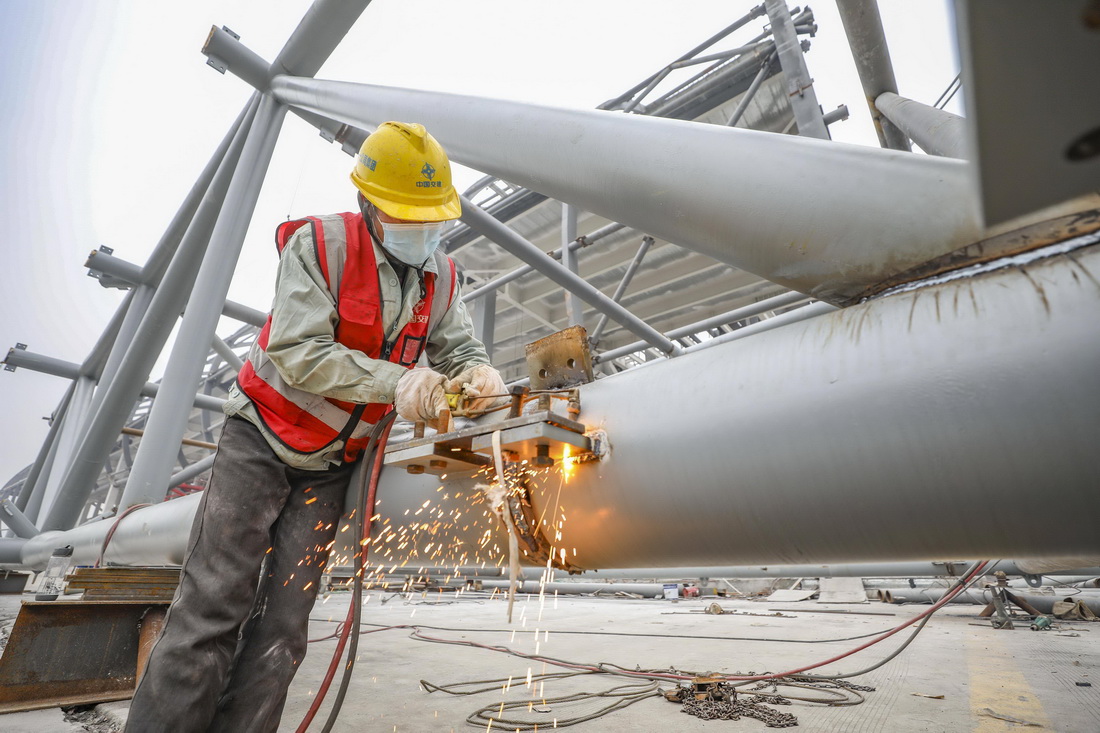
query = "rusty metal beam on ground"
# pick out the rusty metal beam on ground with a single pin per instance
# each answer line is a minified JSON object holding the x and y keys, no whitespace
{"x":63,"y":653}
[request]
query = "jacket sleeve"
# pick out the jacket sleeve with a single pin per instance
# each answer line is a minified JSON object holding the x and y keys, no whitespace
{"x":452,"y":347}
{"x":302,"y":343}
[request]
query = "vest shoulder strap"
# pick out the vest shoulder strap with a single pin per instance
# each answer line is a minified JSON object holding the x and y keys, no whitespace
{"x":445,"y":285}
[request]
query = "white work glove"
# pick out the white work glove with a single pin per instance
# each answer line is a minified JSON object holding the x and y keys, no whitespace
{"x":419,"y":394}
{"x":479,"y":380}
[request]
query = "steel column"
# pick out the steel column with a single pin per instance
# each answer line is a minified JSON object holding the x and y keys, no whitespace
{"x":485,"y":323}
{"x":483,"y":222}
{"x":317,"y":35}
{"x":168,"y":418}
{"x":33,"y":510}
{"x":800,"y":85}
{"x":573,"y":308}
{"x":937,"y":131}
{"x":863,"y":26}
{"x":647,"y":242}
{"x":593,"y":159}
{"x":137,"y":303}
{"x":104,"y":423}
{"x":94,"y":363}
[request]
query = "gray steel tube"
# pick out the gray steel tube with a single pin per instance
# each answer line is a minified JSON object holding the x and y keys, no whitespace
{"x":737,"y":314}
{"x":1044,"y":603}
{"x":68,"y":370}
{"x":15,"y":521}
{"x":137,"y":304}
{"x":226,"y":353}
{"x":485,"y":224}
{"x":11,"y":550}
{"x":131,"y":273}
{"x":224,"y":51}
{"x":620,"y":167}
{"x":624,"y":283}
{"x":155,"y":535}
{"x":33,"y":475}
{"x":168,"y":418}
{"x":937,"y":131}
{"x":863,"y":26}
{"x":649,"y":590}
{"x":197,"y":468}
{"x":573,"y":307}
{"x":104,"y":423}
{"x":801,"y":94}
{"x":581,"y":241}
{"x":244,"y":314}
{"x":318,"y":34}
{"x":924,"y":405}
{"x":96,"y":360}
{"x":750,"y":92}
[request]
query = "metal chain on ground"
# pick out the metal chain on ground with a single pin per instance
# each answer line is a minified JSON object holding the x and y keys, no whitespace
{"x":734,"y":710}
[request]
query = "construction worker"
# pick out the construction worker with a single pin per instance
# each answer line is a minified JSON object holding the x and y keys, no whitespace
{"x":359,"y":298}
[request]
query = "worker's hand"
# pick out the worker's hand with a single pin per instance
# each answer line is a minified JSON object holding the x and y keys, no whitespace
{"x":419,"y":394}
{"x":479,"y":380}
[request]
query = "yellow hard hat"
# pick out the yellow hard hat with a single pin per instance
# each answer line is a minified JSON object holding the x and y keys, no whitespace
{"x":403,"y":171}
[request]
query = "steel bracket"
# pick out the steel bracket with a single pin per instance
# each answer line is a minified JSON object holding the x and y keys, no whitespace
{"x":542,"y":438}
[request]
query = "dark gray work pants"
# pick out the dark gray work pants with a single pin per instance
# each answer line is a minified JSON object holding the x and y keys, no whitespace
{"x":200,"y":677}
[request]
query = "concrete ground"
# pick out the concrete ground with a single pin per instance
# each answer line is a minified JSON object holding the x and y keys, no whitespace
{"x":987,"y":678}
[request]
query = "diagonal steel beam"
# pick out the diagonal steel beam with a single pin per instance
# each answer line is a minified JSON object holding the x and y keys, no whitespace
{"x":831,"y":227}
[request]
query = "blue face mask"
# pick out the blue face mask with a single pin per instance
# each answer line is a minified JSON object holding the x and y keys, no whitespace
{"x":411,"y":243}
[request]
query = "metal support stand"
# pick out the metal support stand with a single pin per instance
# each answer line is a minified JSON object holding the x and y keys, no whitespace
{"x":168,"y":418}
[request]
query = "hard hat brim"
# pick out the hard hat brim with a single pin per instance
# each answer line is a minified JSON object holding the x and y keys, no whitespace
{"x":408,"y":207}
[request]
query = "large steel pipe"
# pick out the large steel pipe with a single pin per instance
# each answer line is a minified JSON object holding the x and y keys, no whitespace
{"x":830,"y":225}
{"x":155,"y":535}
{"x":946,"y":406}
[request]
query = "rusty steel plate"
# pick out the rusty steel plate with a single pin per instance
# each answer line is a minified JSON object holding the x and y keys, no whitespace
{"x":71,"y":653}
{"x":562,"y":359}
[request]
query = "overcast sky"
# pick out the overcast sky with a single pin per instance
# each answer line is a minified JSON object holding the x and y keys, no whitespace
{"x":109,"y":113}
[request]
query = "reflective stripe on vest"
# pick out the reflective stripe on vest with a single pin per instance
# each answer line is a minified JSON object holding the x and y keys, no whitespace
{"x":305,"y":422}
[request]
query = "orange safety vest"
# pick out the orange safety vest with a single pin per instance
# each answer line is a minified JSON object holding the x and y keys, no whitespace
{"x":305,"y":422}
